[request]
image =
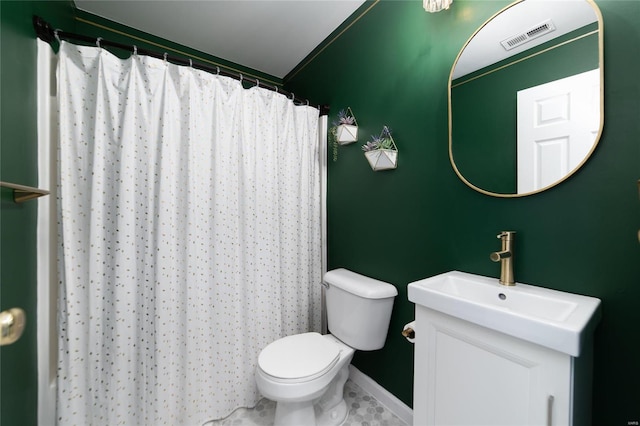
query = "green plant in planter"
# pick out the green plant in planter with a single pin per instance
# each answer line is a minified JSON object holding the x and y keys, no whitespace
{"x":337,"y":134}
{"x":381,"y":151}
{"x":379,"y":142}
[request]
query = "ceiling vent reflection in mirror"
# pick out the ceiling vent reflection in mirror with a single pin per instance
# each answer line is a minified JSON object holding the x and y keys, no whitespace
{"x":535,"y":32}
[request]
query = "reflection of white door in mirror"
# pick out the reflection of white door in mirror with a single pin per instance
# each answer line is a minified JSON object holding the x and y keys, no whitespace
{"x":558,"y":123}
{"x":483,"y":136}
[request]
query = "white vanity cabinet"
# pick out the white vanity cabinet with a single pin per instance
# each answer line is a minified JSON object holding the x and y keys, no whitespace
{"x":467,"y":374}
{"x":493,"y":355}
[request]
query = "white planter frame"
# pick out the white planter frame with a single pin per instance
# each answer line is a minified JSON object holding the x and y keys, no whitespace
{"x":383,"y":159}
{"x":347,"y":133}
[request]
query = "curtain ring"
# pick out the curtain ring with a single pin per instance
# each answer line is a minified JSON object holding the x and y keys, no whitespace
{"x":190,"y":63}
{"x":293,"y":96}
{"x":307,"y":102}
{"x":98,"y":41}
{"x":217,"y":70}
{"x":165,"y":56}
{"x":257,"y":83}
{"x":135,"y":50}
{"x":241,"y":78}
{"x":55,"y":34}
{"x":276,"y":87}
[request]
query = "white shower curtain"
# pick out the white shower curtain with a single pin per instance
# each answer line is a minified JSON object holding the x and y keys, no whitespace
{"x":189,"y":212}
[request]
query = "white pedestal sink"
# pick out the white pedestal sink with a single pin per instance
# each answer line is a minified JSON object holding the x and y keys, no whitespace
{"x":487,"y":354}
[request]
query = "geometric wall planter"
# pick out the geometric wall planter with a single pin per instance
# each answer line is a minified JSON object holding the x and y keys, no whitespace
{"x":347,"y":133}
{"x":381,"y":152}
{"x":344,"y":131}
{"x":382,"y":159}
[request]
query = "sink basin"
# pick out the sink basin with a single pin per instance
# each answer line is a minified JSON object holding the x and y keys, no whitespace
{"x":550,"y":318}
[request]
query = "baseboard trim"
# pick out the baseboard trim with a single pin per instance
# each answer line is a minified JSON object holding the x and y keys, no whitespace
{"x":383,"y":396}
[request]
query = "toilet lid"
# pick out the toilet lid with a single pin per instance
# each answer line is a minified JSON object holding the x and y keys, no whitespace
{"x":299,"y":356}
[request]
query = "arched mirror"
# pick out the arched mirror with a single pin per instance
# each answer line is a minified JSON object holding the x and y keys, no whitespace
{"x":526,"y":97}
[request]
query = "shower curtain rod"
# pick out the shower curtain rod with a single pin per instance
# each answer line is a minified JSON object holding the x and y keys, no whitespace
{"x":47,"y":33}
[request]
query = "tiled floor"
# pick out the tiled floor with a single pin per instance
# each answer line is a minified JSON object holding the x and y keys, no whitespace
{"x":364,"y":410}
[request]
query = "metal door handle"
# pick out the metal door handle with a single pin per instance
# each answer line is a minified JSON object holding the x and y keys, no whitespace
{"x":12,"y":322}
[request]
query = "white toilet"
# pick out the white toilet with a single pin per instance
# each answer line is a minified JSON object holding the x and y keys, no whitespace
{"x":305,"y":373}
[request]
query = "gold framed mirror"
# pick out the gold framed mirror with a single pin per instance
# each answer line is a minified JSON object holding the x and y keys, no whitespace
{"x":526,"y":106}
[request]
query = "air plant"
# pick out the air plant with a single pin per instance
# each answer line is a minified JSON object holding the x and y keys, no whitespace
{"x":371,"y":145}
{"x":379,"y":142}
{"x":345,"y":118}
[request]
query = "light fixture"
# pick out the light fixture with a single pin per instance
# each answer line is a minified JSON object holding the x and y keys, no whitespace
{"x":436,"y":5}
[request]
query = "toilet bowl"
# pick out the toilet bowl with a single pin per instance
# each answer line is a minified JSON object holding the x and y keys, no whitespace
{"x":305,"y":373}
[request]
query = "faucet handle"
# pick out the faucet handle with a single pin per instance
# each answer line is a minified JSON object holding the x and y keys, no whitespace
{"x":506,"y":234}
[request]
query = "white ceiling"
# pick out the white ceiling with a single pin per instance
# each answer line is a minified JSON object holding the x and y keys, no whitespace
{"x":273,"y":36}
{"x":267,"y":35}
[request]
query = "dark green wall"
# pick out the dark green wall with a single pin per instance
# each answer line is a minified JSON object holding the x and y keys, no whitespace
{"x":488,"y":106}
{"x":18,"y":164}
{"x":391,"y":67}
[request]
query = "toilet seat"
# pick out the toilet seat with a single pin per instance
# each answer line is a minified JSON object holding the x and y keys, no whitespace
{"x":298,"y":358}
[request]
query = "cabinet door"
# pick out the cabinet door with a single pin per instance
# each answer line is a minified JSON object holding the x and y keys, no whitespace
{"x":467,"y":375}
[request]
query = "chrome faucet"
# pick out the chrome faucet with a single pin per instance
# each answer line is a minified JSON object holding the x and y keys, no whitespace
{"x":505,"y":257}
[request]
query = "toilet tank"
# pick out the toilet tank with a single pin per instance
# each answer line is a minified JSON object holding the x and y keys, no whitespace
{"x":358,"y":308}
